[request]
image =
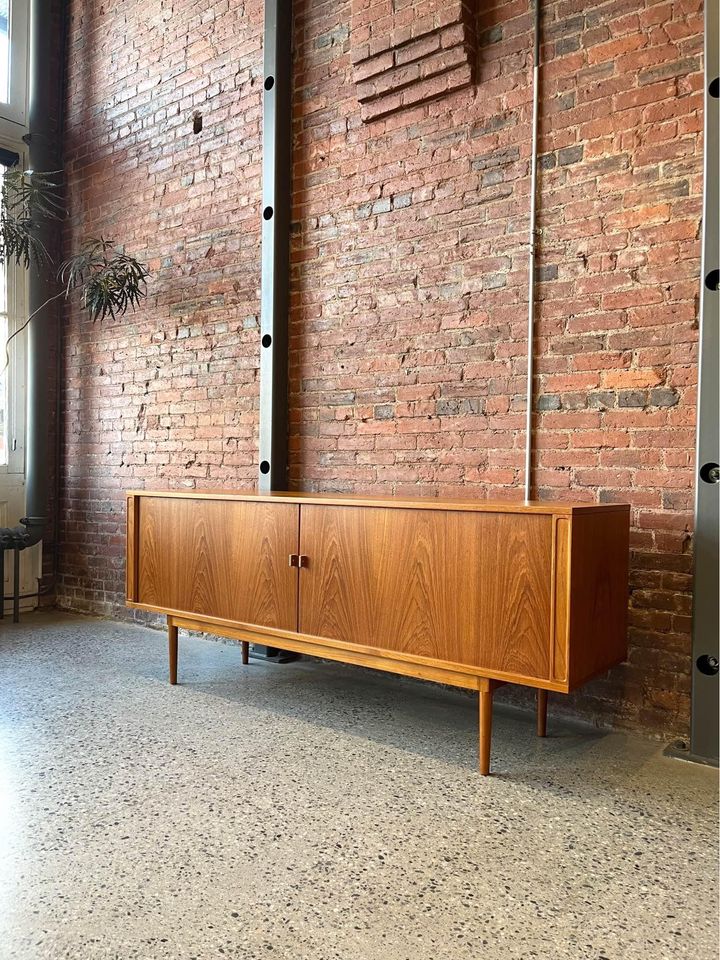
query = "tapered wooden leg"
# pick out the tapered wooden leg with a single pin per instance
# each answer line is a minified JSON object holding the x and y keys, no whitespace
{"x":486,"y":696}
{"x":245,"y":647}
{"x":173,"y":651}
{"x":542,"y":698}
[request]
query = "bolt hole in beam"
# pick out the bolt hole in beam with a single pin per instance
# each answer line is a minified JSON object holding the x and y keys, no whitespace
{"x":265,"y":466}
{"x":268,"y":213}
{"x":197,"y":123}
{"x":269,"y":83}
{"x":714,"y":88}
{"x":712,"y":280}
{"x":266,"y":340}
{"x":708,"y":665}
{"x":710,"y":472}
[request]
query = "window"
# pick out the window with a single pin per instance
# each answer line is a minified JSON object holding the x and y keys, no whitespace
{"x":4,"y":440}
{"x":14,"y":40}
{"x":4,"y":50}
{"x":14,"y":64}
{"x":13,"y":312}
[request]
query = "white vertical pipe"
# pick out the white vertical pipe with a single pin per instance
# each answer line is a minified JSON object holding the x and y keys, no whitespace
{"x":531,"y":257}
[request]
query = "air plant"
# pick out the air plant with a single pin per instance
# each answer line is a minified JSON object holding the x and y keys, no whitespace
{"x":109,"y":280}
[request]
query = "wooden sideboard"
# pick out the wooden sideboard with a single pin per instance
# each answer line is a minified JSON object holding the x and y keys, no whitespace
{"x":469,"y":593}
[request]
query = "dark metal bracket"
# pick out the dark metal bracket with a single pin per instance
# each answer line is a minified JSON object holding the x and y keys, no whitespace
{"x":706,"y":617}
{"x":275,"y":266}
{"x":275,"y":276}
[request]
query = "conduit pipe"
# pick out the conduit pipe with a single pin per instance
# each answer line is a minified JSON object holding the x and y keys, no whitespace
{"x":532,"y":251}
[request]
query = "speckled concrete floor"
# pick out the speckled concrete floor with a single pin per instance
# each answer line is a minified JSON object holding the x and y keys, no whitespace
{"x":323,"y":812}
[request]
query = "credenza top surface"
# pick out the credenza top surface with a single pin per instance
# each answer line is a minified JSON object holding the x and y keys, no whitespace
{"x":388,"y":500}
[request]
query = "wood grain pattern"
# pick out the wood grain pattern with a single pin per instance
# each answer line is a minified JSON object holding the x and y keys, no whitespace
{"x":473,"y":596}
{"x":467,"y":588}
{"x":390,"y":660}
{"x":561,"y":608}
{"x":485,"y":731}
{"x":542,"y":702}
{"x":469,"y":504}
{"x":131,"y":566}
{"x":224,"y":559}
{"x":599,"y":561}
{"x":327,"y":650}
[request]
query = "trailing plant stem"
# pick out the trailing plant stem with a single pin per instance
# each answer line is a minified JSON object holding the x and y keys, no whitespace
{"x":55,"y":296}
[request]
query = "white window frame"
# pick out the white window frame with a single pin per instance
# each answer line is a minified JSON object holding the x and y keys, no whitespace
{"x":13,"y":126}
{"x":12,"y":473}
{"x":16,"y":374}
{"x":14,"y":114}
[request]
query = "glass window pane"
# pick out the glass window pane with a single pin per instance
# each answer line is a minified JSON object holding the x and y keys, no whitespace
{"x":7,"y":324}
{"x":3,"y":394}
{"x":5,"y":51}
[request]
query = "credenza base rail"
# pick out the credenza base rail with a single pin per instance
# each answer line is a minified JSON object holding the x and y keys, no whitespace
{"x":486,"y":686}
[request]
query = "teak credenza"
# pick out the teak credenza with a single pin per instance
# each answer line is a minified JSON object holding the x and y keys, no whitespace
{"x":469,"y":593}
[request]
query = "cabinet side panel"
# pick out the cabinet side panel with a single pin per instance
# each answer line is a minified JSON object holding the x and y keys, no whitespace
{"x":562,"y":598}
{"x":467,"y":588}
{"x":131,"y":557}
{"x":599,"y":597}
{"x":221,"y":558}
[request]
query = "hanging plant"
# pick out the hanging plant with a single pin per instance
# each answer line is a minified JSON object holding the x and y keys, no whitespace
{"x":109,"y":280}
{"x":27,"y":199}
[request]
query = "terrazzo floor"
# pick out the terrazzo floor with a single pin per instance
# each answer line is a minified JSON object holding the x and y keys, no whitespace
{"x":324,"y":812}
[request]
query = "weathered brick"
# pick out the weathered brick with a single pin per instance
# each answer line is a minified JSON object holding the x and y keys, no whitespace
{"x":568,"y":155}
{"x":664,"y":397}
{"x":672,"y":69}
{"x":408,"y":280}
{"x":632,"y":398}
{"x":416,"y":54}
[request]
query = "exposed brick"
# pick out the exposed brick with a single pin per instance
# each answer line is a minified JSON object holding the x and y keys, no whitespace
{"x":568,"y":155}
{"x":664,"y":397}
{"x":545,"y":272}
{"x":410,"y":56}
{"x":603,"y":400}
{"x":632,"y":398}
{"x":384,"y":412}
{"x":497,"y":158}
{"x":665,"y":70}
{"x":409,"y":277}
{"x":456,"y":408}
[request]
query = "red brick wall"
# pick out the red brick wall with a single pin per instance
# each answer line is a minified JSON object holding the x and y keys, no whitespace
{"x":168,"y":395}
{"x":409,"y":277}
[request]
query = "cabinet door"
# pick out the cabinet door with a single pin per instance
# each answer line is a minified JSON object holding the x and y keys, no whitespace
{"x":470,"y":588}
{"x":221,"y":558}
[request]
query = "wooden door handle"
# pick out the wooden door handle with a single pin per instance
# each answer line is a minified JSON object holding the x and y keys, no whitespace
{"x":297,"y":560}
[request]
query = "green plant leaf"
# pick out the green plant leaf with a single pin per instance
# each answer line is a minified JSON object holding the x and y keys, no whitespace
{"x":27,"y":200}
{"x":111,"y":281}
